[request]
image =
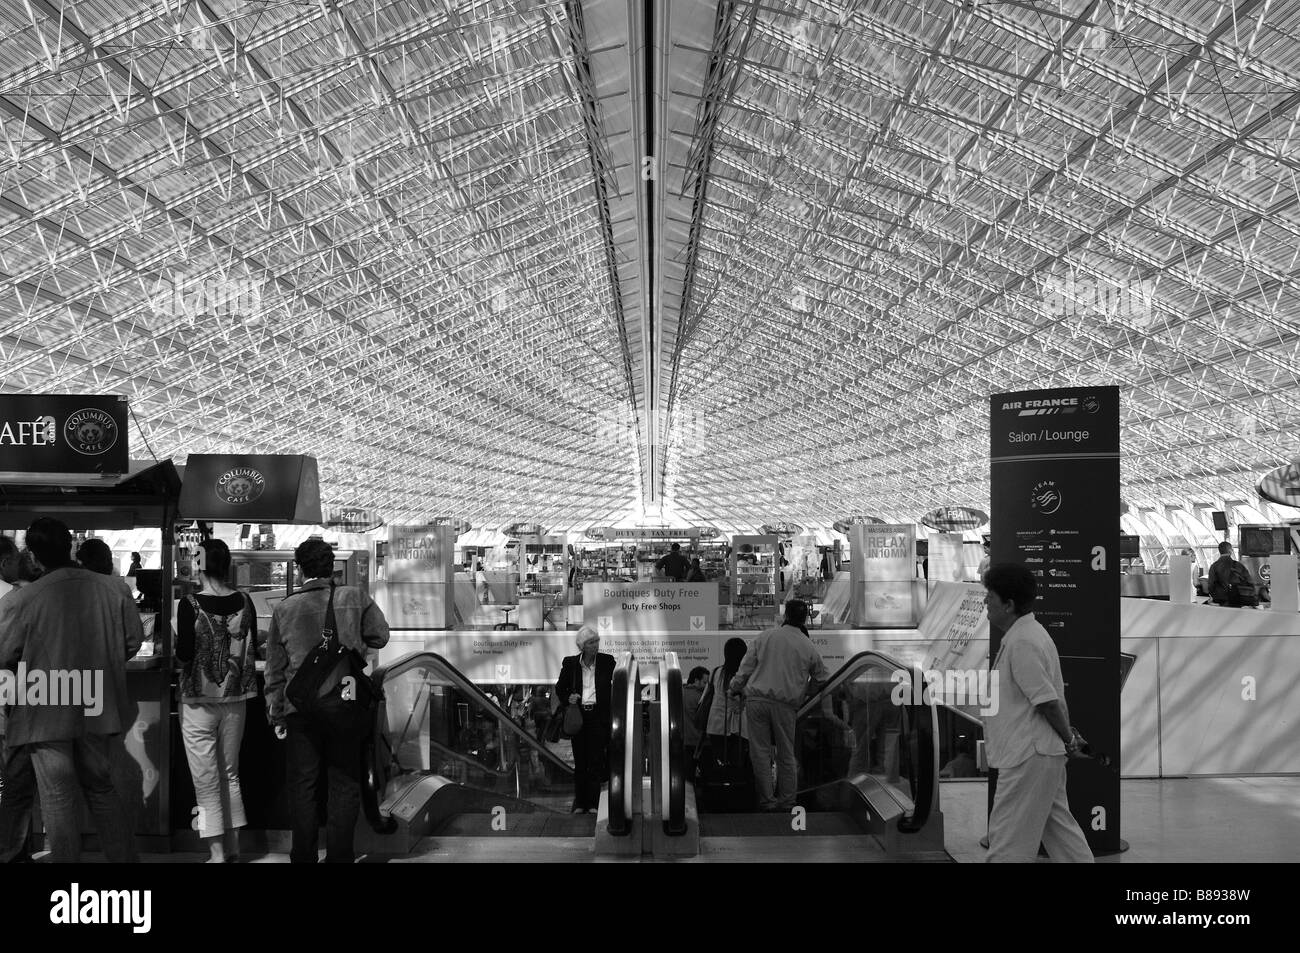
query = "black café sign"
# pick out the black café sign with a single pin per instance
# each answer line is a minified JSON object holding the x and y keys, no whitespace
{"x":63,"y":433}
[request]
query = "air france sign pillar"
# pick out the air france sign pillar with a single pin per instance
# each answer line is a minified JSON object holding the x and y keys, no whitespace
{"x":1055,"y":495}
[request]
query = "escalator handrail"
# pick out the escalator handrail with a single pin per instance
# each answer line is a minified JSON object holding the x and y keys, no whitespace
{"x":462,"y":683}
{"x":371,"y":772}
{"x":926,"y":729}
{"x":672,"y":747}
{"x":851,"y":668}
{"x":453,"y":753}
{"x":623,"y":720}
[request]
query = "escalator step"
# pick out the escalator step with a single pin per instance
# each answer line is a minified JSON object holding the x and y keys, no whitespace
{"x":776,"y":824}
{"x":536,"y":824}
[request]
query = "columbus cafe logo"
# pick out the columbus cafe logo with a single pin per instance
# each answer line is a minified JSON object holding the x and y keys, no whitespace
{"x":78,"y":906}
{"x":240,"y":485}
{"x":1045,"y":498}
{"x":91,"y":431}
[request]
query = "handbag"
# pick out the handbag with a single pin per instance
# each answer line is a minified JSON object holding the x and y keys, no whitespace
{"x":328,"y":666}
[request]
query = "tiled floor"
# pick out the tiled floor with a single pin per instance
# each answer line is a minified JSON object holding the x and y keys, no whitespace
{"x":1174,"y":820}
{"x":1193,"y":820}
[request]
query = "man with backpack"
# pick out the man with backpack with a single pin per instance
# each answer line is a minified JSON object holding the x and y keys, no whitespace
{"x":1229,"y":581}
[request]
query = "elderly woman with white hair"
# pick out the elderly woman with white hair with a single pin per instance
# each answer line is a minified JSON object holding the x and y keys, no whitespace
{"x":586,"y":680}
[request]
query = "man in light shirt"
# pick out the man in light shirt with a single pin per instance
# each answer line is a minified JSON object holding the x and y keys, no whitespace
{"x":774,"y":677}
{"x":1029,"y":737}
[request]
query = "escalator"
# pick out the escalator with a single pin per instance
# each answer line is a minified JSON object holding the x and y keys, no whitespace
{"x":447,"y":760}
{"x":869,"y":762}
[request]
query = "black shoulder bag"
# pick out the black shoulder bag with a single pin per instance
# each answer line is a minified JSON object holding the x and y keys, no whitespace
{"x":331,"y":674}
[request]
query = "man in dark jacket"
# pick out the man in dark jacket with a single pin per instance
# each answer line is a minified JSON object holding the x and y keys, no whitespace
{"x":674,"y":564}
{"x":587,"y":680}
{"x":1225,"y":574}
{"x":328,"y":741}
{"x":77,"y":628}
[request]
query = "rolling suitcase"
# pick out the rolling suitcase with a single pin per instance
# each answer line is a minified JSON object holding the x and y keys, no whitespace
{"x":724,"y":780}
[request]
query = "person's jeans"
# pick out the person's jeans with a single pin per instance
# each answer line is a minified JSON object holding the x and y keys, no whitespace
{"x":771,"y":725}
{"x":61,"y":767}
{"x":329,"y":745}
{"x":16,"y":803}
{"x":212,"y":733}
{"x":590,"y":760}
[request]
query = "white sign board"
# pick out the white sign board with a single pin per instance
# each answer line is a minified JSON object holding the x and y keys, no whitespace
{"x":650,"y":607}
{"x":884,"y":566}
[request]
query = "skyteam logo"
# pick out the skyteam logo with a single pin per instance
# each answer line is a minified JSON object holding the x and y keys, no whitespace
{"x":1045,"y":498}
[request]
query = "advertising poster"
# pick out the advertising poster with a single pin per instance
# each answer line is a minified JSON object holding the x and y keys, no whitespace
{"x":884,"y":569}
{"x":1056,"y":509}
{"x":650,"y":607}
{"x":63,"y":433}
{"x":418,"y":573}
{"x":947,"y":558}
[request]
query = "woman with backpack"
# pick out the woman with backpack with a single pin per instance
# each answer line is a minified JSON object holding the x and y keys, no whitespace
{"x":216,"y":642}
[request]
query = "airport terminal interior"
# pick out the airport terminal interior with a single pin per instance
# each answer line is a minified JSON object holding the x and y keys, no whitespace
{"x":649,"y":320}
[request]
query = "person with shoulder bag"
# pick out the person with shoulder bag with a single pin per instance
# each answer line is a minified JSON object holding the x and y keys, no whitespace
{"x":320,"y":700}
{"x":585,"y":689}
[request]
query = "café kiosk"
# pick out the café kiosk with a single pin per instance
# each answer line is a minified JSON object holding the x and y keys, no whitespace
{"x":280,"y":489}
{"x":66,"y":457}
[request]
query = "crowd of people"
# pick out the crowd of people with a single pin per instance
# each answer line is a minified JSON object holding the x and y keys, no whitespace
{"x":60,"y":614}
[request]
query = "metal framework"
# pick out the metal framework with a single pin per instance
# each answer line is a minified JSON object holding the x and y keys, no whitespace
{"x":410,"y":237}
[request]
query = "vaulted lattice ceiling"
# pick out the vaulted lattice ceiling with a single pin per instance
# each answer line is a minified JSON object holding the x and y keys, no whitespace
{"x":415,"y":239}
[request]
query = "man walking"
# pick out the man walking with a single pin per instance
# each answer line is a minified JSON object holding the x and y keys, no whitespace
{"x":76,"y":627}
{"x":1029,"y":736}
{"x":774,"y":677}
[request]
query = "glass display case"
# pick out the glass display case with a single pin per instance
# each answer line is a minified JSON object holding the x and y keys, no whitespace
{"x":543,"y":581}
{"x":270,"y":575}
{"x":754,"y":581}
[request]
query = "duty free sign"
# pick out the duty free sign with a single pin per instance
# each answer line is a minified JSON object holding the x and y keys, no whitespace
{"x":650,"y":607}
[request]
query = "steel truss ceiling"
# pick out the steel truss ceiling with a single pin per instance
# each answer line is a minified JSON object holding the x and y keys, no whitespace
{"x":414,"y":239}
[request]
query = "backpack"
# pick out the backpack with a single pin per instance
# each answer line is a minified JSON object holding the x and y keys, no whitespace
{"x":1241,"y":588}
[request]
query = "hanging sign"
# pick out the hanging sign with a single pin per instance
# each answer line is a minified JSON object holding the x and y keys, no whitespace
{"x":458,"y":526}
{"x":643,"y":533}
{"x":352,"y":519}
{"x":515,"y":530}
{"x":954,"y":519}
{"x":1281,"y":485}
{"x":63,"y":433}
{"x":251,"y":488}
{"x":1055,"y":494}
{"x":845,"y":527}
